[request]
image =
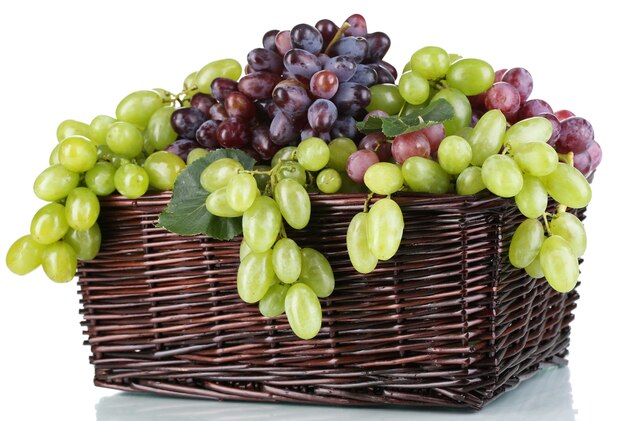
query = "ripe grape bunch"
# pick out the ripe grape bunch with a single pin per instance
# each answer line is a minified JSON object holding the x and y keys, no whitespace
{"x":318,"y":111}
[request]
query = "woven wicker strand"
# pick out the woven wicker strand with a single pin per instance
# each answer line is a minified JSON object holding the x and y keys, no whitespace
{"x":446,"y":322}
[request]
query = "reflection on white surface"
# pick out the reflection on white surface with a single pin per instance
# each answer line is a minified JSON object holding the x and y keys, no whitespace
{"x":545,"y":397}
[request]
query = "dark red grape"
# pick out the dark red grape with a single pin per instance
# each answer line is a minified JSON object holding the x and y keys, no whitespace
{"x":378,"y":44}
{"x":218,"y":112}
{"x":382,"y":73}
{"x":355,"y":47}
{"x":556,"y":127}
{"x":532,"y":108}
{"x":563,"y":114}
{"x":258,"y":85}
{"x":182,"y":147}
{"x":283,"y":130}
{"x":521,"y":79}
{"x":365,"y":75}
{"x":252,"y":154}
{"x":221,"y":87}
{"x":328,"y":29}
{"x":358,"y":26}
{"x":343,"y":66}
{"x":308,"y":132}
{"x":301,"y":63}
{"x":206,"y":135}
{"x":262,"y":60}
{"x":345,"y":126}
{"x":351,"y":97}
{"x":595,"y":155}
{"x":358,"y":162}
{"x":292,"y":100}
{"x":478,"y":101}
{"x":499,"y":74}
{"x":322,"y":114}
{"x":186,"y":120}
{"x":435,"y":135}
{"x":283,"y":42}
{"x":203,"y":102}
{"x":582,"y":162}
{"x":233,"y":133}
{"x":239,"y":105}
{"x":408,"y":145}
{"x":269,"y":40}
{"x":324,"y":84}
{"x":375,"y":113}
{"x":377,"y":142}
{"x":504,"y":97}
{"x":306,"y":37}
{"x":262,"y":143}
{"x":576,"y":135}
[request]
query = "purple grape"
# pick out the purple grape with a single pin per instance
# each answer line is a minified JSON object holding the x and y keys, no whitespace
{"x":345,"y":126}
{"x":556,"y":127}
{"x":358,"y":26}
{"x":252,"y":154}
{"x":504,"y":97}
{"x":408,"y":145}
{"x":262,"y":143}
{"x":283,"y":42}
{"x":258,"y":85}
{"x":262,"y":60}
{"x":324,"y":84}
{"x":292,"y":100}
{"x":328,"y":29}
{"x":206,"y":135}
{"x":322,"y":114}
{"x":221,"y":87}
{"x":306,"y":37}
{"x":498,"y":75}
{"x":218,"y":112}
{"x":378,"y":44}
{"x":521,"y":79}
{"x":355,"y":47}
{"x":343,"y":66}
{"x":358,"y":162}
{"x":182,"y":147}
{"x":375,"y":113}
{"x":563,"y":114}
{"x":377,"y":142}
{"x":365,"y":75}
{"x":576,"y":135}
{"x":239,"y":105}
{"x":271,"y":109}
{"x":203,"y":102}
{"x":301,"y":63}
{"x":595,"y":155}
{"x":478,"y":101}
{"x":186,"y":120}
{"x":389,"y":67}
{"x":532,"y":108}
{"x":233,"y":133}
{"x":308,"y":132}
{"x":269,"y":40}
{"x":283,"y":130}
{"x":351,"y":97}
{"x":323,"y":58}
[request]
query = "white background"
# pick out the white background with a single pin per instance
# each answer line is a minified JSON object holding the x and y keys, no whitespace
{"x":77,"y":59}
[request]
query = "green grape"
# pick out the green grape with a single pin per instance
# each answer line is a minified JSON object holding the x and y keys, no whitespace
{"x":534,"y":269}
{"x":163,"y":168}
{"x":385,"y":97}
{"x":217,"y":204}
{"x":487,"y":136}
{"x":54,"y":155}
{"x":568,"y":186}
{"x":137,"y":108}
{"x":559,"y":264}
{"x":159,"y":132}
{"x":425,"y":176}
{"x":502,"y":176}
{"x":78,"y":154}
{"x":313,"y":154}
{"x":328,"y":181}
{"x":273,"y":302}
{"x":241,"y":192}
{"x":99,"y":127}
{"x":226,"y":68}
{"x":124,"y":140}
{"x":190,"y":81}
{"x":470,"y":181}
{"x":454,"y":57}
{"x":466,"y":132}
{"x":69,"y":128}
{"x":570,"y":228}
{"x":536,"y":158}
{"x":82,"y":208}
{"x":24,"y":255}
{"x":350,"y":186}
{"x":59,"y":262}
{"x":244,"y":250}
{"x":285,"y":154}
{"x":532,"y":200}
{"x":294,"y":203}
{"x":360,"y":255}
{"x":99,"y":179}
{"x":131,"y":181}
{"x":410,"y":109}
{"x":304,"y":311}
{"x":196,"y":154}
{"x":287,"y":260}
{"x":291,"y":170}
{"x":262,"y":177}
{"x":340,"y":149}
{"x":526,"y":243}
{"x":384,"y":178}
{"x":317,"y":273}
{"x":534,"y":129}
{"x":55,"y":183}
{"x":85,"y":243}
{"x":219,"y":173}
{"x":414,"y":88}
{"x":49,"y":224}
{"x":470,"y":76}
{"x":454,"y":154}
{"x":407,"y":67}
{"x":261,"y":224}
{"x":462,"y":110}
{"x":430,"y":62}
{"x":385,"y":225}
{"x":255,"y":276}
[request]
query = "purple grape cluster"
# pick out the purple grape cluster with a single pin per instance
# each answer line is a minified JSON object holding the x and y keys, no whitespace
{"x":304,"y":82}
{"x":510,"y":93}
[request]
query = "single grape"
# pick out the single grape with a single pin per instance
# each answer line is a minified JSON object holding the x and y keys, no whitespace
{"x":504,"y":97}
{"x":306,"y":37}
{"x":365,"y":75}
{"x":269,"y":38}
{"x":569,"y":227}
{"x":217,"y":204}
{"x":77,"y":153}
{"x":536,"y":158}
{"x":131,"y":181}
{"x":285,"y":154}
{"x":255,"y":276}
{"x":261,"y":224}
{"x":203,"y":102}
{"x":358,"y":163}
{"x":532,"y":200}
{"x":576,"y":135}
{"x":287,"y":260}
{"x":49,"y":224}
{"x":487,"y":136}
{"x":263,"y":60}
{"x":55,"y":183}
{"x":313,"y":154}
{"x":385,"y":97}
{"x":99,"y":127}
{"x":239,"y":105}
{"x":328,"y":181}
{"x":595,"y":155}
{"x":454,"y":154}
{"x":521,"y":79}
{"x":358,"y":26}
{"x":382,"y":64}
{"x":282,"y":40}
{"x":225,"y":68}
{"x":532,"y":108}
{"x":241,"y":192}
{"x":559,"y":264}
{"x":408,"y":145}
{"x":218,"y":113}
{"x":293,"y":100}
{"x":304,"y":311}
{"x":385,"y":225}
{"x":534,"y":269}
{"x":59,"y":262}
{"x":324,"y":84}
{"x":182,"y":147}
{"x":470,"y":181}
{"x":283,"y":130}
{"x":534,"y":129}
{"x":262,"y":142}
{"x":159,"y":132}
{"x":99,"y":179}
{"x":244,"y":250}
{"x":24,"y":255}
{"x":163,"y":168}
{"x":301,"y":63}
{"x":221,"y":87}
{"x":378,"y":44}
{"x":339,"y":150}
{"x":502,"y":176}
{"x":138,"y":107}
{"x":82,"y":209}
{"x":186,"y":120}
{"x":291,"y":170}
{"x":125,"y":139}
{"x":217,"y":174}
{"x":526,"y":243}
{"x":86,"y":243}
{"x":568,"y":186}
{"x":273,"y":302}
{"x":345,"y":126}
{"x":414,"y":88}
{"x":384,"y":178}
{"x":430,"y":62}
{"x":354,"y":47}
{"x":351,"y":98}
{"x":343,"y":67}
{"x":377,"y":142}
{"x":328,"y":29}
{"x":563,"y":114}
{"x":361,"y":257}
{"x":206,"y":135}
{"x":321,"y":115}
{"x":294,"y":203}
{"x":556,"y":127}
{"x":233,"y":133}
{"x":317,"y":273}
{"x":462,"y":110}
{"x":470,"y":76}
{"x":424,"y":175}
{"x":69,"y":128}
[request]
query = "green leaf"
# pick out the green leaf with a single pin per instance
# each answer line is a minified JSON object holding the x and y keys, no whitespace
{"x":186,"y":214}
{"x":436,"y":112}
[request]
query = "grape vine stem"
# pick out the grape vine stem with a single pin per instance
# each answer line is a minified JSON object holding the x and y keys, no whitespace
{"x":337,"y":36}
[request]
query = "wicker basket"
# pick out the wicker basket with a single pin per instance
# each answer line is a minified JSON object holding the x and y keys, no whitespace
{"x":447,"y":322}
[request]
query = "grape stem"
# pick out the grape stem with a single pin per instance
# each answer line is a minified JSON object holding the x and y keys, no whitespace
{"x":506,"y":149}
{"x":337,"y":36}
{"x":545,"y":223}
{"x":567,"y":158}
{"x":367,"y":202}
{"x":283,"y":233}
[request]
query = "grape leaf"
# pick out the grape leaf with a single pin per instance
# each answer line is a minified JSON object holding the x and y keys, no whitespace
{"x":436,"y":112}
{"x":186,"y":214}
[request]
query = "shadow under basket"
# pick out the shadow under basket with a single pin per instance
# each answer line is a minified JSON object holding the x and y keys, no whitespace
{"x":446,"y":322}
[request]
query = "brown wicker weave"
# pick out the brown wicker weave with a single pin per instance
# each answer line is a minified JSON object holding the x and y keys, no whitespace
{"x":446,"y":322}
